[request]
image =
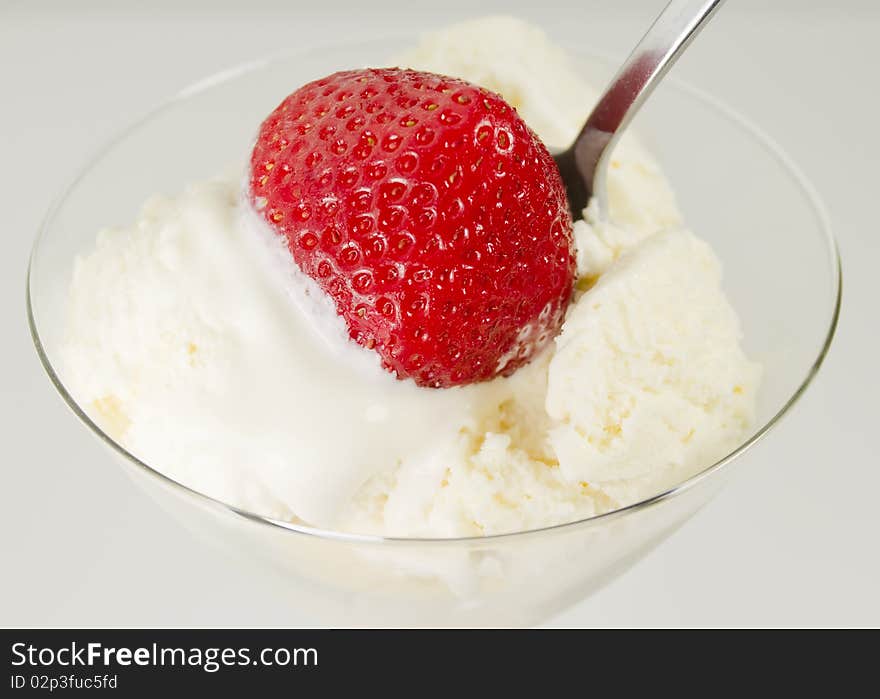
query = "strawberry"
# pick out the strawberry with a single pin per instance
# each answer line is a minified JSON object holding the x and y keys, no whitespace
{"x":431,"y":214}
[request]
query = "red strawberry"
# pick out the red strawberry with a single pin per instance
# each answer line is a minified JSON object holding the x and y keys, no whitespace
{"x":431,"y":214}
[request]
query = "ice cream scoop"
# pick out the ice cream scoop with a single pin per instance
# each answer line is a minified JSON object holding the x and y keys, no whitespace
{"x":584,"y":163}
{"x":196,"y":343}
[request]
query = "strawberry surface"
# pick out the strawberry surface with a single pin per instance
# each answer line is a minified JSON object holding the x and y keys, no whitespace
{"x":429,"y":212}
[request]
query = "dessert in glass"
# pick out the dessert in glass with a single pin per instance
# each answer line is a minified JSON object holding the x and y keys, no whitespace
{"x":263,"y":346}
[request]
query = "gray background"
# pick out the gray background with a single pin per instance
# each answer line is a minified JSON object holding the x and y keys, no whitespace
{"x":792,"y":541}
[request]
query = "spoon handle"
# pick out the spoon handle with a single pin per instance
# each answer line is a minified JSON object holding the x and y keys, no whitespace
{"x":653,"y":56}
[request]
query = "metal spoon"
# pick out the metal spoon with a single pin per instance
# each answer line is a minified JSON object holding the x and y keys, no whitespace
{"x":584,"y":164}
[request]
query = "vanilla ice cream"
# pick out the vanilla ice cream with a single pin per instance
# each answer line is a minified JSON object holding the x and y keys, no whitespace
{"x":194,"y":341}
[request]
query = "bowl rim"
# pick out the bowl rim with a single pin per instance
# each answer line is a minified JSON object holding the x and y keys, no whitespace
{"x":231,"y":73}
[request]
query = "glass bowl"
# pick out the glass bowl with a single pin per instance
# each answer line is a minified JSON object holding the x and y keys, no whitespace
{"x":737,"y":189}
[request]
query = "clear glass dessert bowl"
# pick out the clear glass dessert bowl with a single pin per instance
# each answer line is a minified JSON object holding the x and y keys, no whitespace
{"x":737,"y":190}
